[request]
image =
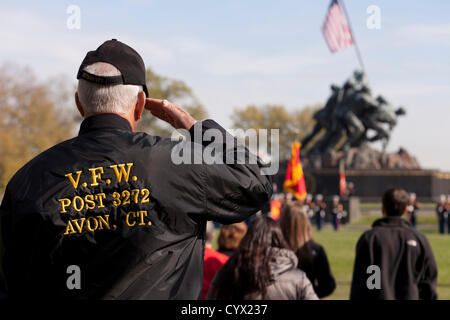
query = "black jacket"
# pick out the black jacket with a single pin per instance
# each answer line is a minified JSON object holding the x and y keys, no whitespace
{"x":287,"y":281}
{"x":407,"y":266}
{"x":314,"y":262}
{"x":113,"y":203}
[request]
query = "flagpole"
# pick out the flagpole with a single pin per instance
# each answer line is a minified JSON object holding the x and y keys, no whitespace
{"x":358,"y":53}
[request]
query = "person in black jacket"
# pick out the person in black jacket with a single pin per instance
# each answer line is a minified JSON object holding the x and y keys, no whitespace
{"x":393,"y":260}
{"x":294,"y":223}
{"x":117,"y":214}
{"x":263,"y":267}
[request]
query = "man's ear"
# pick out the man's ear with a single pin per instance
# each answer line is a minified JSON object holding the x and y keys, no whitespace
{"x":79,"y":106}
{"x":139,"y":107}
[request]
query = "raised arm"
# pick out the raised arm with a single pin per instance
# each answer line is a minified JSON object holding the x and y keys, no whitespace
{"x":233,"y":184}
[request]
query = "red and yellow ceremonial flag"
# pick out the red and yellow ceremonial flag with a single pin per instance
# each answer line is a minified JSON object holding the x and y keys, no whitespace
{"x":342,"y":180}
{"x":295,"y":180}
{"x":275,"y":209}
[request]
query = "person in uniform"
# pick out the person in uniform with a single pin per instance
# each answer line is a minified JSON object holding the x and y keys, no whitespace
{"x":336,"y":212}
{"x":309,"y":207}
{"x":447,"y":209}
{"x":114,"y":213}
{"x":442,"y":213}
{"x":413,"y":207}
{"x":320,"y":212}
{"x":350,"y":189}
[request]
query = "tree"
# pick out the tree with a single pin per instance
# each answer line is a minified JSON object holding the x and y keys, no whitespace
{"x":30,"y":121}
{"x":176,"y":91}
{"x":37,"y":115}
{"x":292,"y":125}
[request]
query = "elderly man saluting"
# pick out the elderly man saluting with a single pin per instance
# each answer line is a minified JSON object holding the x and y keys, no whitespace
{"x":108,"y":214}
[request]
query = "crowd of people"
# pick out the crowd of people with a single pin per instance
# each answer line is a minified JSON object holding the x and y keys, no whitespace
{"x":320,"y":211}
{"x":281,"y":260}
{"x":317,"y":209}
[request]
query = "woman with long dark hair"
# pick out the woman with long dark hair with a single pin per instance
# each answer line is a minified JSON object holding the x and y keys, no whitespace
{"x":294,"y":222}
{"x":262,"y":267}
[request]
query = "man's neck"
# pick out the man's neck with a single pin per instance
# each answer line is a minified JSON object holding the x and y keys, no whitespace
{"x":127,"y":117}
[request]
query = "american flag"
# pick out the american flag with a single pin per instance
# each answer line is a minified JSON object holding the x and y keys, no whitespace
{"x":336,"y":29}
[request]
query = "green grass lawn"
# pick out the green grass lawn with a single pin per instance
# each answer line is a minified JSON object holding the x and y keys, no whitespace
{"x":340,"y":248}
{"x":424,"y":219}
{"x":377,"y":205}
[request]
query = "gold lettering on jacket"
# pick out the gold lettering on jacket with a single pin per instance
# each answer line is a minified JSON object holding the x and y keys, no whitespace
{"x":81,"y":204}
{"x":121,"y":172}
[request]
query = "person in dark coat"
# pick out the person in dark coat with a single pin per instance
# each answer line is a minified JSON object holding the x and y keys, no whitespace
{"x":119,"y":214}
{"x":263,"y":267}
{"x":393,"y":260}
{"x":311,"y":256}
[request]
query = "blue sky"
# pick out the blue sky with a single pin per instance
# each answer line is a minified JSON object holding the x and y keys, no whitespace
{"x":234,"y":53}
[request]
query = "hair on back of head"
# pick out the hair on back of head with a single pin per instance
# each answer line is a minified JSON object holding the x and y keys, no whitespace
{"x":395,"y":201}
{"x":231,"y":235}
{"x":97,"y":98}
{"x":294,"y":223}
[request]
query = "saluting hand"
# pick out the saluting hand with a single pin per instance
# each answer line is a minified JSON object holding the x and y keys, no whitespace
{"x":171,"y":113}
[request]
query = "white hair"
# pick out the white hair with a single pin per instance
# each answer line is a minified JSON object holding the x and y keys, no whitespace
{"x":97,"y":98}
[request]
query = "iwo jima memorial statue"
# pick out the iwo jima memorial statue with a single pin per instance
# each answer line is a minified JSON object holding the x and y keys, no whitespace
{"x":346,"y":127}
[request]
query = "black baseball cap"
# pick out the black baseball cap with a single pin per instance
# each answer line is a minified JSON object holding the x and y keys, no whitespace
{"x":121,"y":56}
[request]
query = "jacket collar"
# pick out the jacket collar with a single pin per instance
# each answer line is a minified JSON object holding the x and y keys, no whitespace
{"x":104,"y":121}
{"x":391,"y":222}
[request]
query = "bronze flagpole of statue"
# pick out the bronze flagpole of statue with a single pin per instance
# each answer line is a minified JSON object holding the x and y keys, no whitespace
{"x":338,"y":32}
{"x":358,"y":52}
